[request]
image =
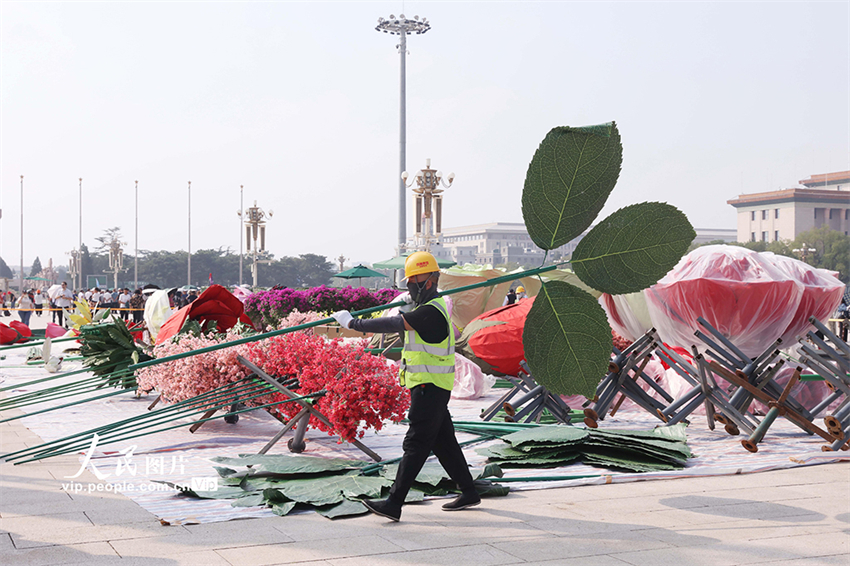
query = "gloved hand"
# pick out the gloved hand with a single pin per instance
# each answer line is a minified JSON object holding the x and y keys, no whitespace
{"x":407,"y":299}
{"x":344,"y":318}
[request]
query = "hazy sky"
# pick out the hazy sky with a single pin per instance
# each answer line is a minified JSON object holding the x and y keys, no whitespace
{"x":299,"y":103}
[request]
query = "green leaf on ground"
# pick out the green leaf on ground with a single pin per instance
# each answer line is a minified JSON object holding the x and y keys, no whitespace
{"x":567,"y":340}
{"x":549,"y":435}
{"x":345,"y":508}
{"x":283,"y":464}
{"x":568,"y":181}
{"x":633,"y":248}
{"x":283,"y":509}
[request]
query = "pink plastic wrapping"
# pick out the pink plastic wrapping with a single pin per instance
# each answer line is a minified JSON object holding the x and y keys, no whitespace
{"x":470,"y":381}
{"x":627,"y":314}
{"x":739,"y":292}
{"x":822,"y":292}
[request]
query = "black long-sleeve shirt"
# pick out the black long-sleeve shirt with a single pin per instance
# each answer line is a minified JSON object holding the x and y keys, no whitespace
{"x":426,"y":320}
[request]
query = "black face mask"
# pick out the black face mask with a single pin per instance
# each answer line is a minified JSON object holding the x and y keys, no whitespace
{"x":419,"y":293}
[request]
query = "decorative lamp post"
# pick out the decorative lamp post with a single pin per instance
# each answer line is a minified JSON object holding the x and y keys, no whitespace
{"x":402,"y":27}
{"x":116,"y":259}
{"x":74,"y":264}
{"x":255,"y":229}
{"x":804,"y":251}
{"x":429,"y":204}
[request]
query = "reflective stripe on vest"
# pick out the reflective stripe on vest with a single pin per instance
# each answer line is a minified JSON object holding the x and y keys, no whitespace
{"x":429,"y":363}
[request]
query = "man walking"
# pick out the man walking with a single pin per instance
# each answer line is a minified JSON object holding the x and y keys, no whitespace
{"x":63,"y":301}
{"x":428,"y":371}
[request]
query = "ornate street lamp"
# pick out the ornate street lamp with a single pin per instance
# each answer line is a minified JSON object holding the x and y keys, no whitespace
{"x":255,"y":229}
{"x":429,"y":203}
{"x":804,"y":251}
{"x":116,"y":259}
{"x":402,"y":27}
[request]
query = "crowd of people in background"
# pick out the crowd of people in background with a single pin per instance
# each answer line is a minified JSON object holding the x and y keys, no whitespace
{"x":127,"y":304}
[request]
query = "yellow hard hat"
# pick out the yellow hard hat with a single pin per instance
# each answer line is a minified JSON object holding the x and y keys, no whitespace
{"x":520,"y":289}
{"x":420,"y":262}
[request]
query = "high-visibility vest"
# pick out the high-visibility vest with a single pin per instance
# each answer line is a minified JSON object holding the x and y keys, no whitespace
{"x":422,"y":362}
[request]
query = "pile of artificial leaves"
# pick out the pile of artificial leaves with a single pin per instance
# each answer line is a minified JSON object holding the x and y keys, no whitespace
{"x":555,"y":446}
{"x":333,"y":487}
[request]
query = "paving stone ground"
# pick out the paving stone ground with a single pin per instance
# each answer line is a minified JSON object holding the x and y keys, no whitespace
{"x":796,"y":517}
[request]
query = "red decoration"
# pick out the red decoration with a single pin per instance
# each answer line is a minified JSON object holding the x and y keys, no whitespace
{"x":362,"y":390}
{"x":499,"y":342}
{"x":215,"y":304}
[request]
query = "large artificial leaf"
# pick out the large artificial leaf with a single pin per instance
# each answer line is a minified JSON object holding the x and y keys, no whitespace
{"x":567,"y":340}
{"x":633,"y":248}
{"x":568,"y":181}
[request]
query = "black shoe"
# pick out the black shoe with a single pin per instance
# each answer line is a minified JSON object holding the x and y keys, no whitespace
{"x":462,"y":501}
{"x":384,"y":508}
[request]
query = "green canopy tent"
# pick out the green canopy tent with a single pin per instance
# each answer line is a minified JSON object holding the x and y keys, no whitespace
{"x":358,"y":273}
{"x":36,"y":279}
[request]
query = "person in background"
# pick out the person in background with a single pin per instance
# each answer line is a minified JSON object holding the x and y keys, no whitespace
{"x":192,"y":296}
{"x":510,"y":298}
{"x":38,"y":299}
{"x":520,"y":293}
{"x":137,"y":304}
{"x":124,"y":303}
{"x":25,"y":306}
{"x":63,"y":301}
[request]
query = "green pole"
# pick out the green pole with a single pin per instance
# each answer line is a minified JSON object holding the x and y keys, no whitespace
{"x":34,"y":343}
{"x":258,"y":337}
{"x":113,"y":440}
{"x":206,"y":397}
{"x":52,"y":377}
{"x":65,"y":405}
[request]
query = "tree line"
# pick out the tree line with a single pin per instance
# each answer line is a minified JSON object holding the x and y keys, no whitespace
{"x":170,"y":269}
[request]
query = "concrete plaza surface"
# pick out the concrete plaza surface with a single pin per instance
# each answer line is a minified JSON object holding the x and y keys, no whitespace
{"x":798,"y":517}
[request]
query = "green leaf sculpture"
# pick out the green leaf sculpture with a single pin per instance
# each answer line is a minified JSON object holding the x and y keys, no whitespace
{"x":633,"y":248}
{"x":567,"y":340}
{"x":568,"y":181}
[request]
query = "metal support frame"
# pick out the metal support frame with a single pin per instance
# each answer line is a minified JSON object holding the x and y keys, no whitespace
{"x":303,"y":416}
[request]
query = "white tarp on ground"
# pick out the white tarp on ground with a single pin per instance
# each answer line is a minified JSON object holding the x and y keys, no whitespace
{"x":178,"y":456}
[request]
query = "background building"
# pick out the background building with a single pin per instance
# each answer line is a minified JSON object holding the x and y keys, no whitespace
{"x":781,"y":215}
{"x":508,"y":242}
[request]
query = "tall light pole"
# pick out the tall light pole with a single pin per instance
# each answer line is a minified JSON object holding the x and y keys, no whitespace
{"x":21,"y":288}
{"x":189,"y":265}
{"x":136,"y":253}
{"x":80,"y":242}
{"x":241,"y":208}
{"x":402,"y":27}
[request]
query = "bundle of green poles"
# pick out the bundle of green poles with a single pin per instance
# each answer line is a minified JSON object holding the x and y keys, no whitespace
{"x":90,"y":384}
{"x":151,"y":423}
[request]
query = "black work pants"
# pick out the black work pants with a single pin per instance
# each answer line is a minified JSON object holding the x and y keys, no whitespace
{"x":431,"y":430}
